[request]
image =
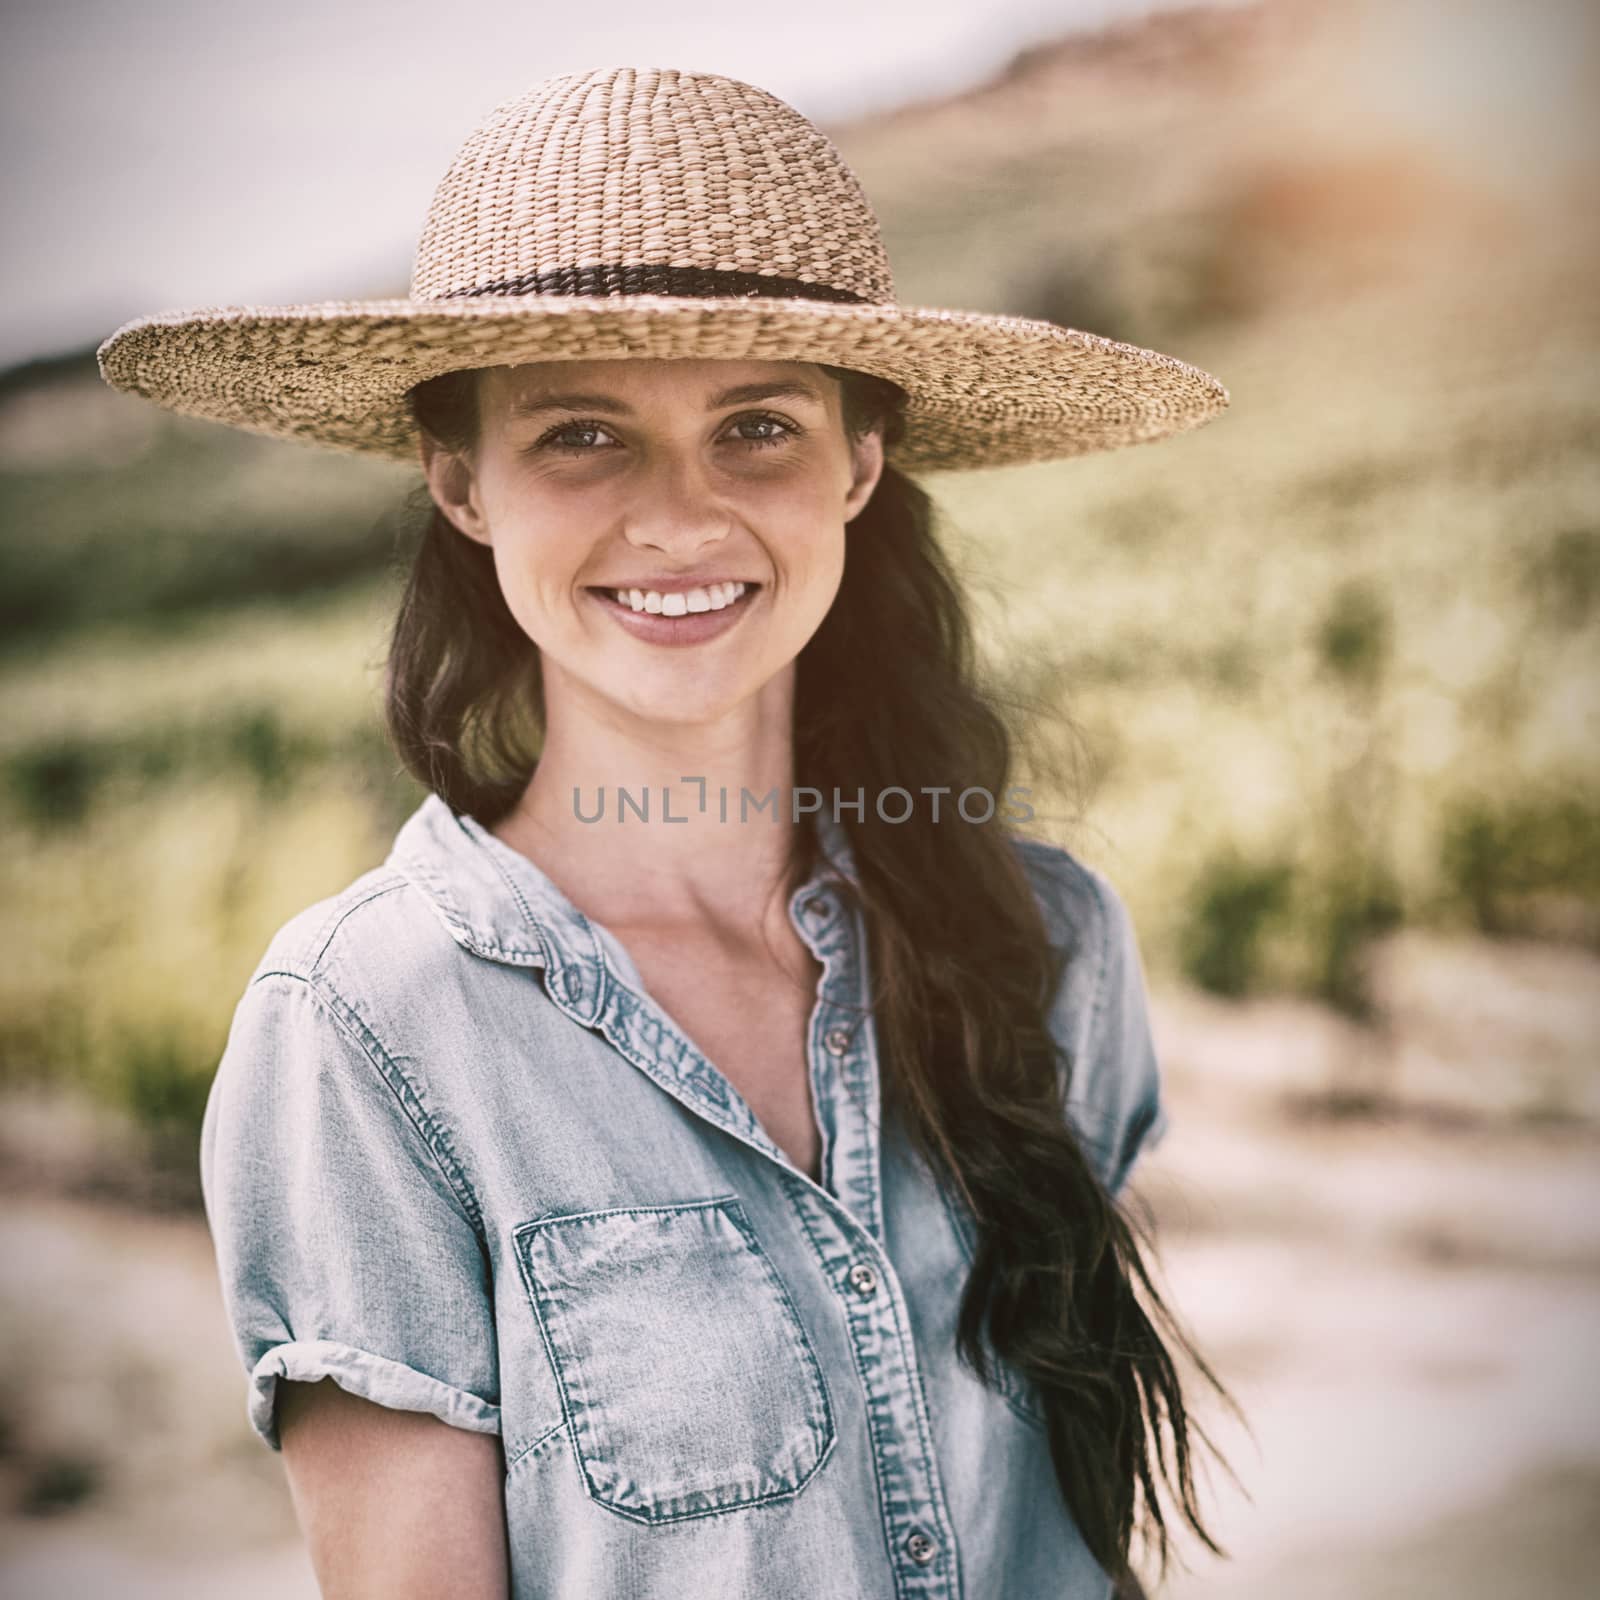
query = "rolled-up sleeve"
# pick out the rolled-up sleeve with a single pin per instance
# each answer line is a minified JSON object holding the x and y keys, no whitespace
{"x":1117,"y":1098}
{"x":345,"y":1247}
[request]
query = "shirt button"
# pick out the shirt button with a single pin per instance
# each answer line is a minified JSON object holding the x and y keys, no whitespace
{"x":837,"y":1041}
{"x":863,"y":1279}
{"x":921,"y":1548}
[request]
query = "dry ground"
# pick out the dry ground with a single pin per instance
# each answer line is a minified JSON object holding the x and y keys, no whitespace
{"x":1404,"y":1304}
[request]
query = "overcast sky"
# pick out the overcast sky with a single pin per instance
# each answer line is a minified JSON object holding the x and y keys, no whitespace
{"x":160,"y":154}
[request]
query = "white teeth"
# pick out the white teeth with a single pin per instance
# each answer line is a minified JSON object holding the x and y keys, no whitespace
{"x":713,"y":597}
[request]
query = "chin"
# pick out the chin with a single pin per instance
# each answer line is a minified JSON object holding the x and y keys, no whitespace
{"x":677,"y":710}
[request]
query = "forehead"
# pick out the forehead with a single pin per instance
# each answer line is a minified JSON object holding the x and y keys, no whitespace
{"x":631,"y":384}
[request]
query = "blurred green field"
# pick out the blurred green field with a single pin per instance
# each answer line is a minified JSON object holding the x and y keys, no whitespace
{"x":1328,"y":666}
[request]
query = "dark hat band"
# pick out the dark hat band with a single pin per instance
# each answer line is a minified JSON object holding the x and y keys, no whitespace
{"x":649,"y":279}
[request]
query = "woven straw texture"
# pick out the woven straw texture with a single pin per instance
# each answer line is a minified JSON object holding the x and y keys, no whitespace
{"x":642,"y":212}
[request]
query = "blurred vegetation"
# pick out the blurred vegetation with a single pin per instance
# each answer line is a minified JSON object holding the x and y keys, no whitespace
{"x":163,"y":522}
{"x":1327,"y":667}
{"x":59,"y":1483}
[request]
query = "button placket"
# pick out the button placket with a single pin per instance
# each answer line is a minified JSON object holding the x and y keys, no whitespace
{"x":910,"y":1494}
{"x":844,"y":1227}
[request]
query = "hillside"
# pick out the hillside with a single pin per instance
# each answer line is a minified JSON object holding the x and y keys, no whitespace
{"x":1325,"y":667}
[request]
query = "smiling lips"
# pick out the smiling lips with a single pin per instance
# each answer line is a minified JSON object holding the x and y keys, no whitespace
{"x":680,"y":613}
{"x":677,"y":602}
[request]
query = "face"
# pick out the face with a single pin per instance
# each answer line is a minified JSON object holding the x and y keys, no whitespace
{"x":675,"y":479}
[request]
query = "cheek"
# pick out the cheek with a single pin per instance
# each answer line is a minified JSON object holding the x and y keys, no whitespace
{"x":811,"y":549}
{"x":538,"y":540}
{"x":537,"y":564}
{"x":800,"y":522}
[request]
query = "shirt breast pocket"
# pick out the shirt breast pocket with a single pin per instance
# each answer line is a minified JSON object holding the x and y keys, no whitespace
{"x":689,"y":1384}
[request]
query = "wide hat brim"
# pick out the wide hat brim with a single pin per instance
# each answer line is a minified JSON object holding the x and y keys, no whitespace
{"x":984,"y":390}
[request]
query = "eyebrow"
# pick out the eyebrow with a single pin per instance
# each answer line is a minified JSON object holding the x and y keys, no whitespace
{"x":588,"y":400}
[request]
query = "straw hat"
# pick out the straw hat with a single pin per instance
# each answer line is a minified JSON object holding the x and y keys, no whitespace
{"x":646,"y":212}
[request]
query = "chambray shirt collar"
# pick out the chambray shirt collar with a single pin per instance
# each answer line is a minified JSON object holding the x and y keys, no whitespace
{"x":501,"y":905}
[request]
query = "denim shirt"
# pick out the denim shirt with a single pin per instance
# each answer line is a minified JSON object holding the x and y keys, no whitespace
{"x":456,"y":1158}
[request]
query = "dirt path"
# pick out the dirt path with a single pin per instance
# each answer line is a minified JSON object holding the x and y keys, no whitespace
{"x":1419,"y":1431}
{"x":1407,"y":1313}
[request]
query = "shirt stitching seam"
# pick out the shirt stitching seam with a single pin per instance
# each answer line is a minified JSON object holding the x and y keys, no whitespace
{"x":1104,"y":932}
{"x":399,"y":1085}
{"x":919,"y":1407}
{"x":1131,"y":1135}
{"x":749,"y":1245}
{"x":341,"y":912}
{"x":937,"y":1508}
{"x":853,"y":947}
{"x":538,"y":1444}
{"x":1105,"y":938}
{"x":434,"y":888}
{"x":868,"y":1409}
{"x":550,"y":942}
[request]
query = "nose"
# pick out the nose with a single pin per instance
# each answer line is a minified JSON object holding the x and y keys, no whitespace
{"x":675,"y":509}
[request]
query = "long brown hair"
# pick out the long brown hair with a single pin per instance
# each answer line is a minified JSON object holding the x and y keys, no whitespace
{"x":888,"y":694}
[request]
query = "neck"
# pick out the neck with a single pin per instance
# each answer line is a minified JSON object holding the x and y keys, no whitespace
{"x":663,"y":824}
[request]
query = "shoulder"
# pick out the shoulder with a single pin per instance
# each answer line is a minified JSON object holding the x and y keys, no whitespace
{"x":308,"y":1009}
{"x":1100,"y":1010}
{"x":380,"y":931}
{"x":1084,"y":913}
{"x":306,"y":942}
{"x":332,"y":1038}
{"x":1088,"y":920}
{"x":371,"y":973}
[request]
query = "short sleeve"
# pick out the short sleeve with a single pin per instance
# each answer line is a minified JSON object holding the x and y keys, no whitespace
{"x":1116,"y":1093}
{"x":343,"y":1248}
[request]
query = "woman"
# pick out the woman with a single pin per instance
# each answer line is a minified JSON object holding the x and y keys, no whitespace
{"x":689,"y":1165}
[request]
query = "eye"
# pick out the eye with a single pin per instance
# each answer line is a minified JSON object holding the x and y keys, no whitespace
{"x":786,"y":430}
{"x":555,"y":437}
{"x":576,"y":437}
